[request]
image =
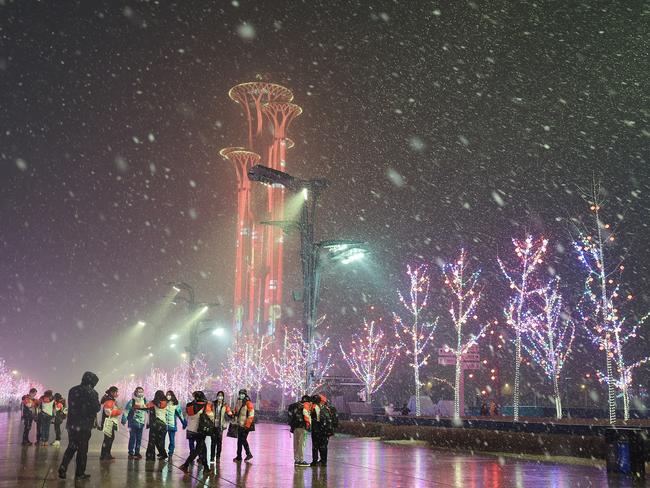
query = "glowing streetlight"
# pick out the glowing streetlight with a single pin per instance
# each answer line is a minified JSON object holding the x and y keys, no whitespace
{"x":219,"y":332}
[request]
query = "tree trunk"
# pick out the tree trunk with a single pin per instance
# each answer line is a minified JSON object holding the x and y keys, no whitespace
{"x":515,"y":395}
{"x":558,"y":400}
{"x":611,"y":394}
{"x":457,"y":388}
{"x":416,"y":369}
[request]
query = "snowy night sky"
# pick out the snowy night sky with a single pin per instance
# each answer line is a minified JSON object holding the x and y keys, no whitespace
{"x":439,"y":124}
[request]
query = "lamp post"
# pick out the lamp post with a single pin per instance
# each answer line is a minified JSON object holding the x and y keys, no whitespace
{"x":197,"y":310}
{"x":344,"y":251}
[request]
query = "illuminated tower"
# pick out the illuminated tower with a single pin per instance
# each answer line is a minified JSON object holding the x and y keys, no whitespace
{"x":280,"y":115}
{"x":259,"y":265}
{"x":244,"y":288}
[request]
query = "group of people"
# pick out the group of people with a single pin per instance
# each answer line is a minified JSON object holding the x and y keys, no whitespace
{"x":313,"y":415}
{"x":44,"y":411}
{"x":202,"y":419}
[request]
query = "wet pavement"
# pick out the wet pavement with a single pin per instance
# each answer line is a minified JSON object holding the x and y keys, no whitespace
{"x":353,"y":462}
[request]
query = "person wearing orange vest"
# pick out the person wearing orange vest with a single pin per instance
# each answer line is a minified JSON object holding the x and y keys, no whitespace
{"x":244,"y":413}
{"x":157,"y":426}
{"x":60,"y":413}
{"x":110,"y":419}
{"x":45,"y":415}
{"x":221,"y":412}
{"x":200,"y":415}
{"x":29,"y":414}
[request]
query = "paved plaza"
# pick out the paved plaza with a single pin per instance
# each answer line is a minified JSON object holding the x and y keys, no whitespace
{"x":354,"y":462}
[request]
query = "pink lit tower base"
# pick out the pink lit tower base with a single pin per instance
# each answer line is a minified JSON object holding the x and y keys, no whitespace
{"x":257,"y":306}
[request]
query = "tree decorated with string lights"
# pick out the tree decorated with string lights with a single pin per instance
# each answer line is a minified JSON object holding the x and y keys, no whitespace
{"x":600,"y":305}
{"x":287,"y":370}
{"x":281,"y":369}
{"x":258,"y":349}
{"x":524,"y":284}
{"x":549,"y":336}
{"x":463,"y":284}
{"x":7,"y":382}
{"x":370,"y":357}
{"x":415,"y":335}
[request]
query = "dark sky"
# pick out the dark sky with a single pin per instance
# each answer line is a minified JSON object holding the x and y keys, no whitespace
{"x":439,"y":124}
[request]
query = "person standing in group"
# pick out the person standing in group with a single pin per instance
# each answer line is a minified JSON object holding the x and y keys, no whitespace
{"x":60,"y":413}
{"x":83,"y":405}
{"x":135,"y":416}
{"x":157,"y":426}
{"x":45,"y":415}
{"x":173,"y":412}
{"x":221,"y":410}
{"x":29,"y":414}
{"x":324,"y":421}
{"x":244,"y":413}
{"x":300,"y":424}
{"x":110,"y":419}
{"x":200,"y":423}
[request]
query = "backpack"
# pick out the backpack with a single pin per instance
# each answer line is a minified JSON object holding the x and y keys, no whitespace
{"x":329,"y":418}
{"x":206,"y":424}
{"x":294,"y":412}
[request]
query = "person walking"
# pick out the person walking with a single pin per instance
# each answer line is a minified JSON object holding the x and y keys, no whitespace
{"x":60,"y":413}
{"x":29,"y":414}
{"x":244,"y":413}
{"x":110,"y":415}
{"x":45,"y":416}
{"x":157,"y":426}
{"x":173,"y":412}
{"x":221,"y":412}
{"x":83,"y":405}
{"x":135,"y":416}
{"x":200,"y":423}
{"x":300,"y":424}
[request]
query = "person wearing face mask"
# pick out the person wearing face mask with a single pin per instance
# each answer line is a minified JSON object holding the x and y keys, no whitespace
{"x":173,"y":412}
{"x":221,"y":412}
{"x":134,"y":414}
{"x":45,"y":415}
{"x":200,"y":419}
{"x":244,"y":413}
{"x":157,"y":427}
{"x":110,"y":415}
{"x":60,"y":413}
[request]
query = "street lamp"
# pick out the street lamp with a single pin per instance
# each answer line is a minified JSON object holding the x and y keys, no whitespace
{"x":345,"y":251}
{"x":197,"y":310}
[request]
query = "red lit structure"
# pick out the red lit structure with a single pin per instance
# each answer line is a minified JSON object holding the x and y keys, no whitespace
{"x":258,"y":292}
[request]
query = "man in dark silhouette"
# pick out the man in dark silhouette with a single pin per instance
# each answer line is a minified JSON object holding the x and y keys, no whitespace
{"x":83,"y":405}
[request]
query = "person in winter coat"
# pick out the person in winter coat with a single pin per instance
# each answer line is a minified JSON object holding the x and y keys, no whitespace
{"x":300,"y":424}
{"x":60,"y":413}
{"x":110,"y":418}
{"x":197,"y":408}
{"x":173,"y":412}
{"x":221,"y":413}
{"x":157,"y":426}
{"x":83,"y":405}
{"x":322,"y":429}
{"x":45,"y":416}
{"x":135,"y":415}
{"x":29,"y":414}
{"x":244,"y":413}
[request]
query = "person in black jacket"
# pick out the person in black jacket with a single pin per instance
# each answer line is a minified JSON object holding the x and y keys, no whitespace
{"x":83,"y":405}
